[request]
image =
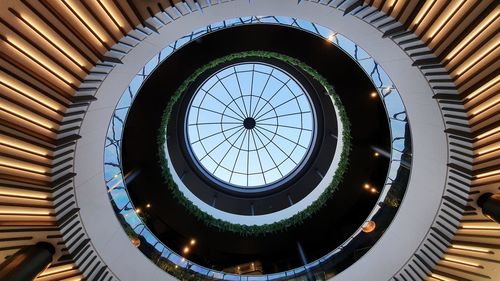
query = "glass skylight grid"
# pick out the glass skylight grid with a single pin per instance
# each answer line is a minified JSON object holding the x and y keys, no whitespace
{"x":250,"y":125}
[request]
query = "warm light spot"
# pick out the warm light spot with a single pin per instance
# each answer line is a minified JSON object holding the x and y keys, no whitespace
{"x":441,"y":278}
{"x":376,"y":154}
{"x":487,"y":105}
{"x":85,"y":23}
{"x":368,"y":227}
{"x":185,"y":250}
{"x":12,"y":164}
{"x":21,"y":146}
{"x":22,"y":194}
{"x":373,"y":190}
{"x":148,"y":205}
{"x":18,"y":113}
{"x":192,"y":242}
{"x":136,"y":242}
{"x":331,"y":37}
{"x":472,"y":249}
{"x":488,"y":133}
{"x":460,"y":261}
{"x":488,"y":149}
{"x":366,"y":186}
{"x":57,"y":269}
{"x":28,"y":92}
{"x":76,"y":278}
{"x":484,"y":87}
{"x":111,"y":12}
{"x":487,"y":174}
{"x":373,"y":95}
{"x":138,"y":210}
{"x":481,"y":227}
{"x":23,"y":211}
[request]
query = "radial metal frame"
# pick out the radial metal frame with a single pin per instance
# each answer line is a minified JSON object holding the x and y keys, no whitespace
{"x":262,"y":132}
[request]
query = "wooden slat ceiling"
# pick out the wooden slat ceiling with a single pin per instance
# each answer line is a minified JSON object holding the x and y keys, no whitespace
{"x":49,"y":48}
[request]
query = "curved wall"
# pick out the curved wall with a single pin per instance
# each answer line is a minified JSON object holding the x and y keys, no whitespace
{"x":54,"y":54}
{"x":427,"y":182}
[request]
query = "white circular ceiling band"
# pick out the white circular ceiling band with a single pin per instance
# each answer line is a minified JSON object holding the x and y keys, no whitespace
{"x":423,"y":197}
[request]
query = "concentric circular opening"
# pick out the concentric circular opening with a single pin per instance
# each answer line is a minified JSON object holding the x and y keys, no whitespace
{"x":165,"y":207}
{"x":250,"y":125}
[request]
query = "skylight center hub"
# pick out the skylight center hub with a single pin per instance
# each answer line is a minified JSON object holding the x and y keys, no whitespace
{"x":249,"y":123}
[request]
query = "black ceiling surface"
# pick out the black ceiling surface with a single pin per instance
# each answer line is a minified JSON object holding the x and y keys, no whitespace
{"x":343,"y":213}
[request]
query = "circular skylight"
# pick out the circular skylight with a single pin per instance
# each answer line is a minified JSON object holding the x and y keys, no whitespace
{"x":250,"y":125}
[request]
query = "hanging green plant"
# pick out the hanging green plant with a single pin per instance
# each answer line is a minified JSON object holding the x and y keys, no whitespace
{"x":280,"y":225}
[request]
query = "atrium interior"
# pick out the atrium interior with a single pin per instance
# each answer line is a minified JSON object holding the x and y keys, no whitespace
{"x":344,"y":140}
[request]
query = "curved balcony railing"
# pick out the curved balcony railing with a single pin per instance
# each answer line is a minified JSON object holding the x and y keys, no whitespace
{"x":327,"y":266}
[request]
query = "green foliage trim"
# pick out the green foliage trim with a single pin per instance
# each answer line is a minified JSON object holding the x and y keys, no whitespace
{"x":282,"y":224}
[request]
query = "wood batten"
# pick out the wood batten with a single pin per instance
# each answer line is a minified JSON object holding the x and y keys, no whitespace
{"x":457,"y":50}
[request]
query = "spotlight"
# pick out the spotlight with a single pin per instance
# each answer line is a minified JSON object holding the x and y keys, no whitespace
{"x":373,"y":95}
{"x":366,"y":186}
{"x":138,"y":210}
{"x":148,"y":205}
{"x":185,"y":250}
{"x":376,"y":154}
{"x":373,"y":190}
{"x":192,"y":242}
{"x":368,"y":227}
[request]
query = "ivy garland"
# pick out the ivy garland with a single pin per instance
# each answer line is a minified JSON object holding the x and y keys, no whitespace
{"x":282,"y":224}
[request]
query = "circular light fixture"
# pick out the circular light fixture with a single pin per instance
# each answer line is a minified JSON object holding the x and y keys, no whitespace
{"x":368,"y":227}
{"x":136,"y":242}
{"x":250,"y":125}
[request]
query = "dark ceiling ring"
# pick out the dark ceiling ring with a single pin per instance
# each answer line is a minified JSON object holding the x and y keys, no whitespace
{"x":271,"y":198}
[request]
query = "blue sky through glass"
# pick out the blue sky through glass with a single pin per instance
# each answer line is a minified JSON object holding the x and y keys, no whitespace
{"x":270,"y":144}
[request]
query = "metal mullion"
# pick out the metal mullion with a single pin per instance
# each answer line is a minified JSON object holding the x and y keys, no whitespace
{"x":232,"y":145}
{"x":225,"y":140}
{"x":258,"y":157}
{"x":213,"y":134}
{"x":241,"y":93}
{"x":274,"y":162}
{"x":283,"y":115}
{"x":282,"y":137}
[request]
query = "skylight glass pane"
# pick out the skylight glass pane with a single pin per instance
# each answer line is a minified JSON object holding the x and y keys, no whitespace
{"x":245,"y":123}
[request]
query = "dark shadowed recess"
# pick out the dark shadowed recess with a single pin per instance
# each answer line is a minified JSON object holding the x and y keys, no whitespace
{"x":328,"y":228}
